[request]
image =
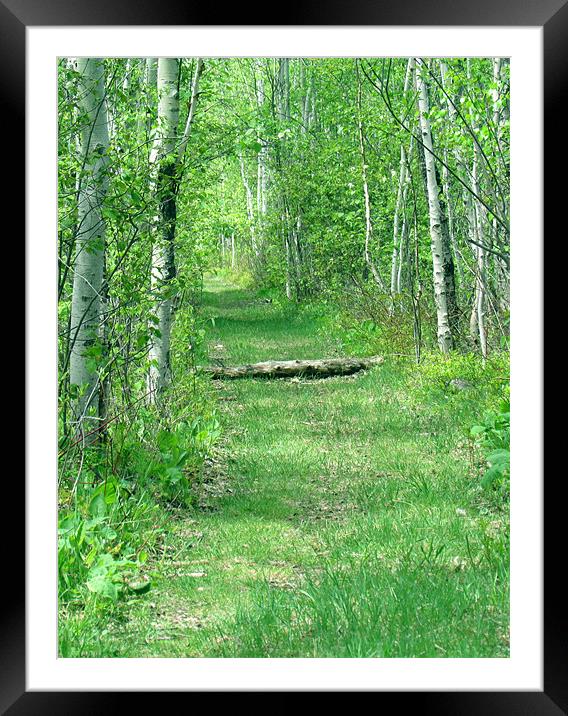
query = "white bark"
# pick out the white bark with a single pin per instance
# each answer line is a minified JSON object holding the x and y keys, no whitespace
{"x":368,"y":219}
{"x":163,"y":267}
{"x":284,"y":82}
{"x":166,"y":158}
{"x":446,"y":176}
{"x":127,"y":71}
{"x":445,"y":338}
{"x":291,"y":246}
{"x":262,"y":161}
{"x":250,"y":209}
{"x":400,"y":227}
{"x":288,"y":268}
{"x":477,"y":323}
{"x":151,"y":83}
{"x":90,"y":244}
{"x":191,"y":113}
{"x":398,"y":231}
{"x":477,"y":319}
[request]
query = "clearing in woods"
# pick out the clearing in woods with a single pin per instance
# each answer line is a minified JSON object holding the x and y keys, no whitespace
{"x":337,"y":520}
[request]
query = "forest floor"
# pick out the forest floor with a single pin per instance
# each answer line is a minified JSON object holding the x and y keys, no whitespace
{"x":336,"y":518}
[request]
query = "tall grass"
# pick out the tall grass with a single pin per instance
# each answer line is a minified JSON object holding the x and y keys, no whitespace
{"x":342,"y":517}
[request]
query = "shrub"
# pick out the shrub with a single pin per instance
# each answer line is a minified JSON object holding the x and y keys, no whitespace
{"x":442,"y":381}
{"x":493,"y":437}
{"x":182,"y":452}
{"x":99,"y":552}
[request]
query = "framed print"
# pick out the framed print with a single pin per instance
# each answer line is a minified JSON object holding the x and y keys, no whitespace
{"x":251,"y":298}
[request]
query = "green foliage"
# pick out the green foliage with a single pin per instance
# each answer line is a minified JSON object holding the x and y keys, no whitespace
{"x":111,"y":530}
{"x":99,"y":551}
{"x":460,"y":378}
{"x":339,"y":615}
{"x":305,"y":248}
{"x":349,"y":524}
{"x":241,"y":277}
{"x":370,"y":327}
{"x":493,"y":436}
{"x":182,"y":452}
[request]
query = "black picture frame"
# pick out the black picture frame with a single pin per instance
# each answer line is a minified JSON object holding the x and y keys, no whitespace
{"x":552,"y":15}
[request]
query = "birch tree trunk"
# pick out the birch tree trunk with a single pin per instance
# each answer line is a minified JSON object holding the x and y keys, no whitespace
{"x":191,"y":111}
{"x":445,"y":337}
{"x":262,"y":165}
{"x":307,"y":111}
{"x":404,"y":279}
{"x":250,"y":212}
{"x":398,"y":237}
{"x":446,"y":176}
{"x":163,"y":259}
{"x":146,"y":120}
{"x":499,"y":114}
{"x":291,"y":245}
{"x":90,"y":243}
{"x":167,"y":157}
{"x":368,"y":219}
{"x":398,"y":231}
{"x":477,"y":321}
{"x":475,"y":217}
{"x":477,"y":318}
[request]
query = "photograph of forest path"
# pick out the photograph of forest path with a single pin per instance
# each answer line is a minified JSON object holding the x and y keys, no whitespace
{"x":283,"y":357}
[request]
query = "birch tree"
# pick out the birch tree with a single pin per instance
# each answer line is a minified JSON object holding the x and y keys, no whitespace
{"x":168,"y":155}
{"x":399,"y":222}
{"x":262,"y":161}
{"x":250,"y":211}
{"x":163,"y":260}
{"x":90,"y":242}
{"x":438,"y":247}
{"x":289,"y":232}
{"x":477,"y":317}
{"x":367,"y":200}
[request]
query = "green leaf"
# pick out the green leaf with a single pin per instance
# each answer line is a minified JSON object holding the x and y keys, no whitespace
{"x":499,"y":457}
{"x":103,"y":585}
{"x":108,"y":490}
{"x":490,"y":476}
{"x":166,"y":441}
{"x":104,"y":564}
{"x":174,"y":474}
{"x":97,"y":506}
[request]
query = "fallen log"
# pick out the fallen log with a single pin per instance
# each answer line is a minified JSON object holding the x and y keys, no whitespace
{"x":323,"y":368}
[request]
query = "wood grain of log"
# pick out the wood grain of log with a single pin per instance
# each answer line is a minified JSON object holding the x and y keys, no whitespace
{"x":325,"y":367}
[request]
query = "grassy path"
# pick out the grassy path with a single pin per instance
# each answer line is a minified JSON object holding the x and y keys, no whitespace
{"x":338,"y":520}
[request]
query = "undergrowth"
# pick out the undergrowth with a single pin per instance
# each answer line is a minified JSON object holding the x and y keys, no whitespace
{"x":117,"y":499}
{"x":348,"y":517}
